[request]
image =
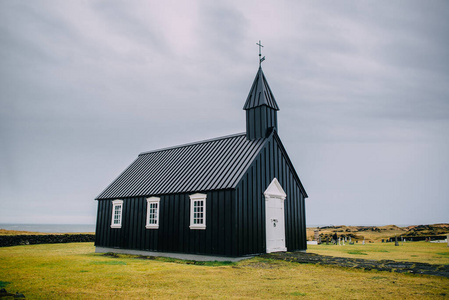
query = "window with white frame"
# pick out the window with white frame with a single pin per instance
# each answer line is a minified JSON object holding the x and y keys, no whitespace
{"x":153,"y":213}
{"x":198,"y":211}
{"x":117,"y":209}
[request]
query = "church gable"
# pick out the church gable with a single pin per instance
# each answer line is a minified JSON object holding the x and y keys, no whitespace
{"x":273,"y":161}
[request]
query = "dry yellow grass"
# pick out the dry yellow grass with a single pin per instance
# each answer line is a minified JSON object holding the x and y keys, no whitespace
{"x":425,"y":252}
{"x":377,"y":233}
{"x":73,"y":271}
{"x":17,"y":232}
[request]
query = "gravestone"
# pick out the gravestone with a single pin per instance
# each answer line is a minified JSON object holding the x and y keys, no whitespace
{"x":396,"y":241}
{"x":316,"y":236}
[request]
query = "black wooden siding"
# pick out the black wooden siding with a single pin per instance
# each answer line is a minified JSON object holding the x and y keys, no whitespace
{"x":235,"y":218}
{"x":173,"y":234}
{"x":260,"y":119}
{"x":271,"y":162}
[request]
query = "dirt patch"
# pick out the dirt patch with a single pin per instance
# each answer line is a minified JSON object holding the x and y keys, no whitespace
{"x":380,"y":265}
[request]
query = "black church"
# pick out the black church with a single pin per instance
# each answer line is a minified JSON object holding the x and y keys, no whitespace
{"x":232,"y":196}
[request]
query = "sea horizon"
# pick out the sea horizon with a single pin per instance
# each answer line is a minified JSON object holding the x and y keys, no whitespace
{"x":68,"y":228}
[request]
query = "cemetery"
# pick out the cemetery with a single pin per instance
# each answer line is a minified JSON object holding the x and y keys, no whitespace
{"x":376,"y":234}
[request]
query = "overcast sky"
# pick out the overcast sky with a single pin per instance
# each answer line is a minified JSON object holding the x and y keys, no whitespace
{"x":362,"y":86}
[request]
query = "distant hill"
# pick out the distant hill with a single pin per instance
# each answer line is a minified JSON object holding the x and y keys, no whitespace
{"x":377,"y":233}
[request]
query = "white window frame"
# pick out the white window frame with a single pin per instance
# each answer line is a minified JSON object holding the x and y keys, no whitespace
{"x":117,"y":203}
{"x":197,"y":198}
{"x":150,"y":201}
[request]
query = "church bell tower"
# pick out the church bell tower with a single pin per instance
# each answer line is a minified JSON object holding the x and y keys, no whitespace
{"x":261,"y":107}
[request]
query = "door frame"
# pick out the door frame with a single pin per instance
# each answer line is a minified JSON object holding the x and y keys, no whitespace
{"x":275,"y":193}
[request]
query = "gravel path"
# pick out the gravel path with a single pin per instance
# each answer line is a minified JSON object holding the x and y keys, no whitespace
{"x":381,"y":265}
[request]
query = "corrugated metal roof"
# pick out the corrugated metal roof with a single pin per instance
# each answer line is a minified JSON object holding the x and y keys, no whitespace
{"x":207,"y":165}
{"x":260,"y":93}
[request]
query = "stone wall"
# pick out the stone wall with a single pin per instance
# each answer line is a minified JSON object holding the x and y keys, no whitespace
{"x":14,"y":240}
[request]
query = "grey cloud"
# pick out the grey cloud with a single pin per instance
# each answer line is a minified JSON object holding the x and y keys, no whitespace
{"x":362,"y":89}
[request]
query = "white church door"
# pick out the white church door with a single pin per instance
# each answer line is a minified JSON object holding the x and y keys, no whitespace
{"x":274,"y":216}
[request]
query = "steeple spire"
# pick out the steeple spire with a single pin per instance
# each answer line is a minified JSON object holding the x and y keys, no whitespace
{"x":261,"y":107}
{"x":260,"y":93}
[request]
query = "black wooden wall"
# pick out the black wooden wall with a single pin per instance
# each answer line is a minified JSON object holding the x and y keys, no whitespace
{"x":173,"y":234}
{"x":235,"y":218}
{"x":250,"y":210}
{"x":259,"y":120}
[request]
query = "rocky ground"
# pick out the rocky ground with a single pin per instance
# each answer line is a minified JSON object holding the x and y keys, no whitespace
{"x":381,"y":265}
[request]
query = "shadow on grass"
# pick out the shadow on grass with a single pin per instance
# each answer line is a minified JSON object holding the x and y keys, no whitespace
{"x":172,"y":260}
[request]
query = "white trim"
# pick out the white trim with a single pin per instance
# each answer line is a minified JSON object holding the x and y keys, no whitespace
{"x":150,"y":201}
{"x":274,"y":217}
{"x":197,"y":198}
{"x":117,"y":203}
{"x":275,"y":190}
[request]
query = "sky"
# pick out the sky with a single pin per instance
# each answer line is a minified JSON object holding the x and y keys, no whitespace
{"x":362,"y":86}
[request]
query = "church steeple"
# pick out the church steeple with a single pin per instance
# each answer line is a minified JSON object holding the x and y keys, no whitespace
{"x":261,"y":108}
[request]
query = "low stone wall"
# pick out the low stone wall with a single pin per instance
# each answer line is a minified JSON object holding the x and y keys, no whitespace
{"x":420,"y":238}
{"x":14,"y":240}
{"x":367,"y":264}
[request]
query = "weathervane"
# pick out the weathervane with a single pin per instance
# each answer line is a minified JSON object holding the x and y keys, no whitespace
{"x":261,"y":59}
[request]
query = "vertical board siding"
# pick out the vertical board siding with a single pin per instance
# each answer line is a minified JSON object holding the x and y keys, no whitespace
{"x":173,"y":234}
{"x":259,"y":120}
{"x":235,"y":218}
{"x":270,"y":163}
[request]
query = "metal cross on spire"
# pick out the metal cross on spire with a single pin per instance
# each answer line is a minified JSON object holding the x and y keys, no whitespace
{"x":261,"y":59}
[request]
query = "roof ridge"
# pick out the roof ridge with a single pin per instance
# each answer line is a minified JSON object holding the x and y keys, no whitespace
{"x":193,"y":143}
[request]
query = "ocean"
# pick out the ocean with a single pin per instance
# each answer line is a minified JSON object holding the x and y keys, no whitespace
{"x":51,"y":228}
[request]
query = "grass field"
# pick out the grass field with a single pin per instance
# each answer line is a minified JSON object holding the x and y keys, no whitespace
{"x":74,"y":271}
{"x":425,"y":252}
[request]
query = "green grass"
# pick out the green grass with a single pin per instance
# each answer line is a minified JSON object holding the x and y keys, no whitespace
{"x":74,"y":271}
{"x":358,"y":252}
{"x":110,"y":262}
{"x":433,"y":253}
{"x":180,"y":261}
{"x":298,"y":294}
